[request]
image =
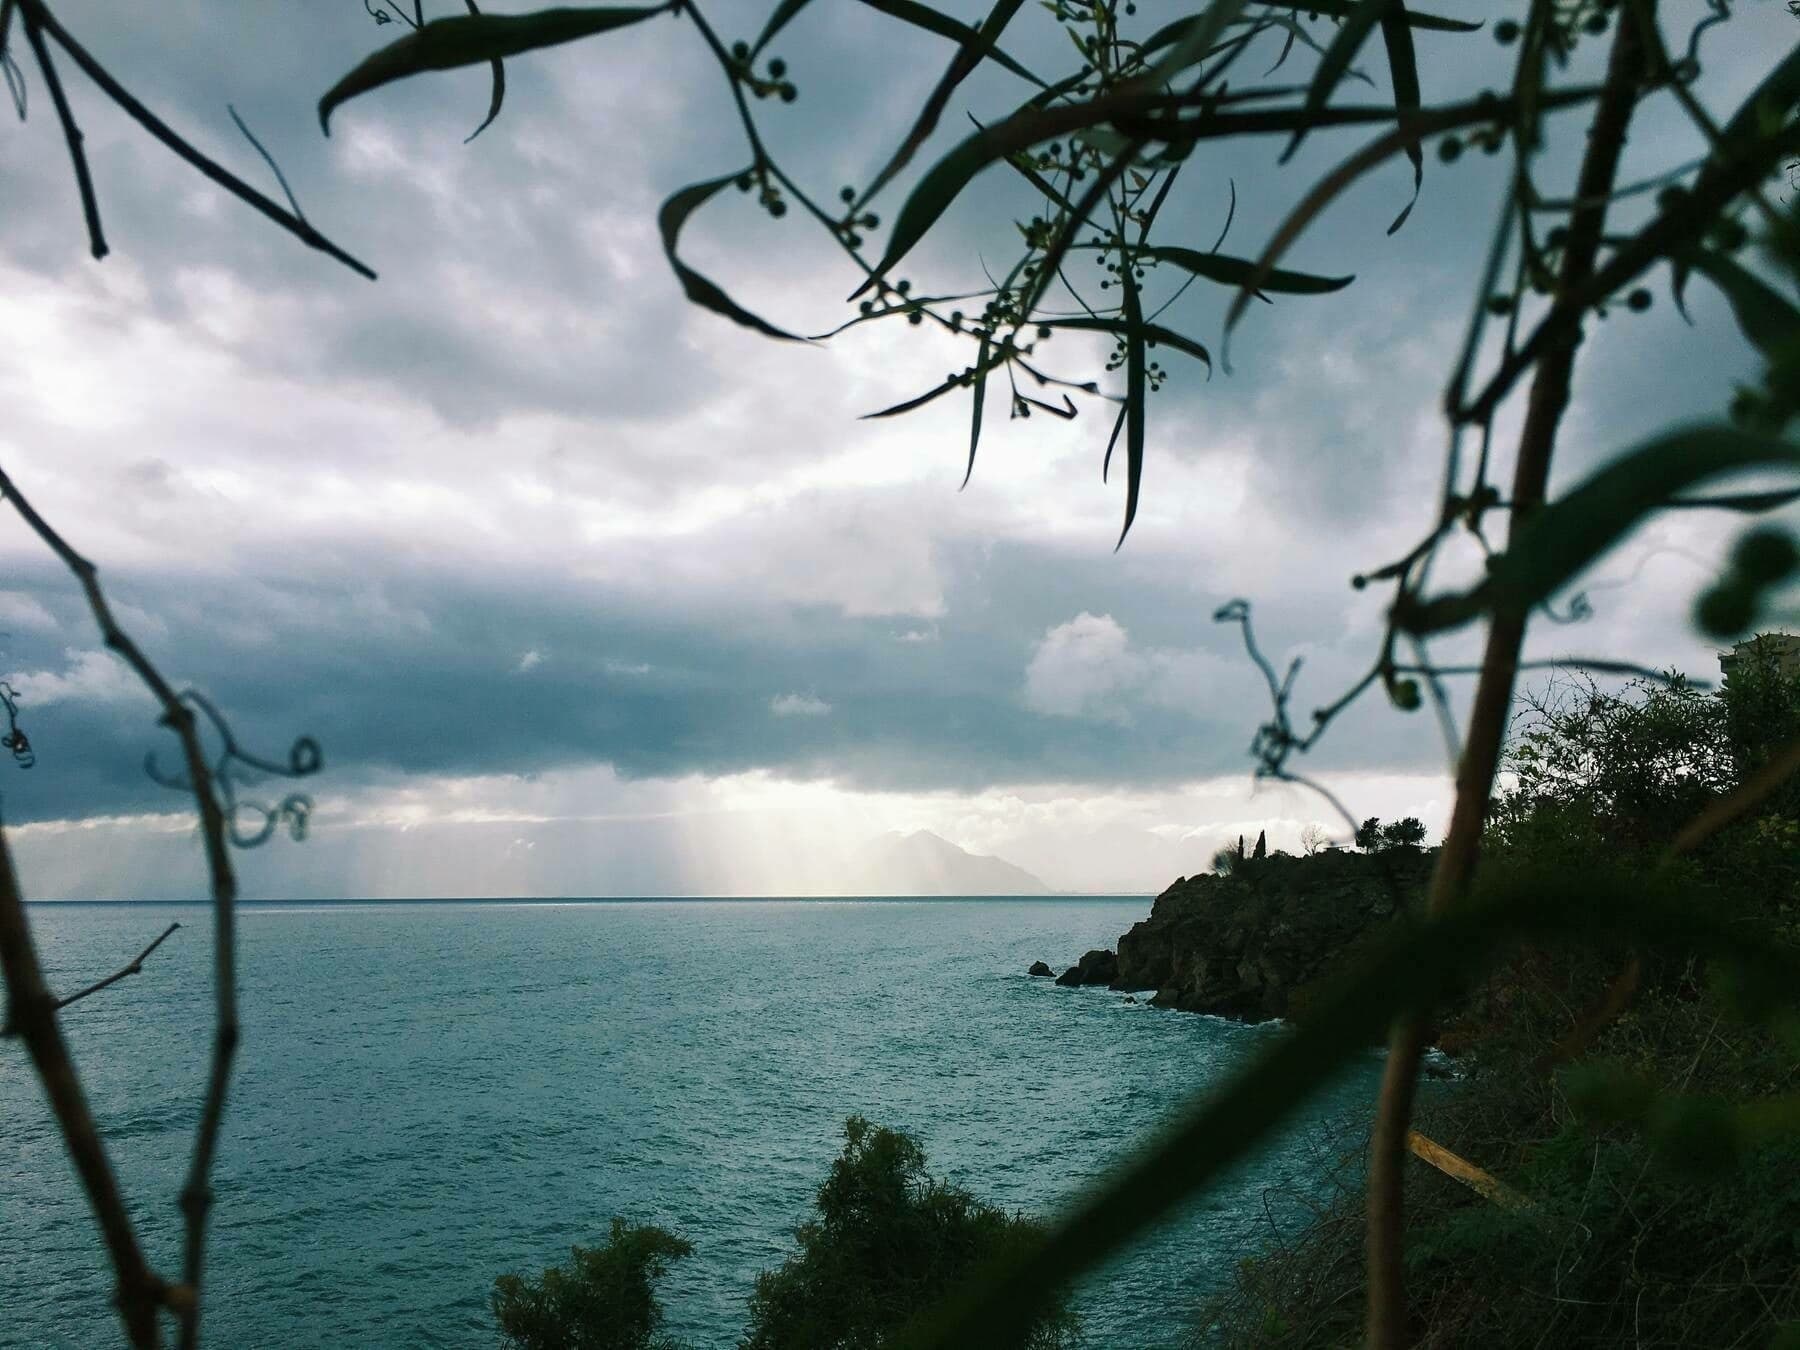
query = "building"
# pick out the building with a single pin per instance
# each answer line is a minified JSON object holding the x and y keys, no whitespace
{"x":1786,"y":645}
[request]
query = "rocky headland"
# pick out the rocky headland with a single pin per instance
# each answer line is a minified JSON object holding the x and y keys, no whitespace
{"x":1259,"y":942}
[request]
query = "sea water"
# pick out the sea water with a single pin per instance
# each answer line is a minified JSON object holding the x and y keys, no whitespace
{"x":432,"y":1094}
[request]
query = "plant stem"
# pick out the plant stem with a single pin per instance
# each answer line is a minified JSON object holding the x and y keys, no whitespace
{"x":31,"y":1011}
{"x":1386,"y":1313}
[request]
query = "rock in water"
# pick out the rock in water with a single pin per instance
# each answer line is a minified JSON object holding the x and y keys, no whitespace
{"x":1096,"y":967}
{"x":1260,"y":944}
{"x":1039,"y":968}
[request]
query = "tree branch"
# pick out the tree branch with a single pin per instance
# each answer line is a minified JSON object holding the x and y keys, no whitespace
{"x":196,"y":1193}
{"x":31,"y":1011}
{"x":84,"y":181}
{"x":37,"y":15}
{"x":134,"y":967}
{"x":1385,"y":1325}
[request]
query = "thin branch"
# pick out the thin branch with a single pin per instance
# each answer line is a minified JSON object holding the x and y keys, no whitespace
{"x":84,"y":181}
{"x":268,"y":159}
{"x":196,"y":1192}
{"x":134,"y":967}
{"x":36,"y":13}
{"x":31,"y":1011}
{"x":1385,"y":1326}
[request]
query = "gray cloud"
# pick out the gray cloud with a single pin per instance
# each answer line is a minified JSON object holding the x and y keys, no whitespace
{"x":519,"y":509}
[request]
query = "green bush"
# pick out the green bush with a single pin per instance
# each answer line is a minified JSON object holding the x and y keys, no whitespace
{"x":604,"y":1300}
{"x":889,"y":1240}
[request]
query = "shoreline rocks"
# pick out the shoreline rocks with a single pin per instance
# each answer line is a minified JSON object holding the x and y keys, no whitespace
{"x":1039,"y":968}
{"x":1095,"y":967}
{"x":1261,"y":942}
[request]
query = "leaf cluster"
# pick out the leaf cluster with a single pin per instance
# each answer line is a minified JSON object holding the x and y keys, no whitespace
{"x":888,"y":1241}
{"x":604,"y":1299}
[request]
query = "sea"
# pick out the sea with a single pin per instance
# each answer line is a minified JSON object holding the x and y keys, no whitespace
{"x":431,"y":1094}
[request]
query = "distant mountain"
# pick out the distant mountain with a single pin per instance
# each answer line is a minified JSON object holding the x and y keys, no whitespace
{"x":922,"y":863}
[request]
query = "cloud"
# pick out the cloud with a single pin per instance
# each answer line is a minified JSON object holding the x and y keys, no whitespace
{"x":799,"y":705}
{"x":90,"y":677}
{"x":1088,"y":667}
{"x":361,"y":511}
{"x":1080,"y":669}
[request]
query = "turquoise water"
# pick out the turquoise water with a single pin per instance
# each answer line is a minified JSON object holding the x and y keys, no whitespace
{"x":432,"y":1094}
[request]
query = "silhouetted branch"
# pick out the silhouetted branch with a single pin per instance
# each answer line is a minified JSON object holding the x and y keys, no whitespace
{"x":90,"y":206}
{"x":37,"y":16}
{"x":133,"y":967}
{"x":196,"y":1193}
{"x":1385,"y":1327}
{"x":31,"y":1013}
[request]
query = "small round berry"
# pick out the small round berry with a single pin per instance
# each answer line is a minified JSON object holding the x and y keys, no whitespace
{"x":1766,"y":556}
{"x":1725,"y":610}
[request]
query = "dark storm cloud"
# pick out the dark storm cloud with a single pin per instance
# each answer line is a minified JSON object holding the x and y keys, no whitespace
{"x":521,"y":278}
{"x":399,"y":668}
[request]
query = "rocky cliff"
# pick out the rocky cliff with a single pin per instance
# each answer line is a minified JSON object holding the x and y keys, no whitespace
{"x":1256,"y":944}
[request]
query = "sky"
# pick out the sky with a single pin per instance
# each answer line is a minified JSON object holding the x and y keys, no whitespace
{"x":585,"y":590}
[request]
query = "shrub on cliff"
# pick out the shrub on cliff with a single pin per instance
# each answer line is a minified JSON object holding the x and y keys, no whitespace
{"x":889,"y":1240}
{"x":604,"y":1300}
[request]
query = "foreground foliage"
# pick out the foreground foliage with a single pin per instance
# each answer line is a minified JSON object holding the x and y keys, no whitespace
{"x":1640,"y":1099}
{"x":889,"y":1240}
{"x":604,"y":1299}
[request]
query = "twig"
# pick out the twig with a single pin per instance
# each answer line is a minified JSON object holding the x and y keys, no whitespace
{"x":31,"y":1010}
{"x":196,"y":1192}
{"x":134,"y":967}
{"x":90,"y":205}
{"x":36,"y":14}
{"x":1386,"y":1311}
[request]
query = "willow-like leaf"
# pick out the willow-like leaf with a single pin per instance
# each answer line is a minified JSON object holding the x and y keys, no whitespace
{"x":778,"y":19}
{"x":976,"y":48}
{"x":1558,"y":541}
{"x":935,"y":392}
{"x":923,"y":16}
{"x":475,"y":39}
{"x":1134,"y":396}
{"x":1342,"y":9}
{"x":1407,"y":973}
{"x":1154,"y":334}
{"x":1196,"y":40}
{"x":1111,"y":442}
{"x":1403,"y":67}
{"x":1335,"y":64}
{"x":1769,"y":105}
{"x":1238,"y":272}
{"x":498,"y":94}
{"x":699,"y":289}
{"x":1745,"y":503}
{"x":980,"y":401}
{"x":1768,"y":319}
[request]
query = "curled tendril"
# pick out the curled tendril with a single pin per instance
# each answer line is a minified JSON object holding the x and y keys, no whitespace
{"x":15,"y":739}
{"x":1580,"y":609}
{"x":237,"y":767}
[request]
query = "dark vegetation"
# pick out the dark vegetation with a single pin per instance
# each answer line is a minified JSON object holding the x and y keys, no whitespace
{"x":604,"y":1299}
{"x":887,"y":1241}
{"x":1638,"y":1098}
